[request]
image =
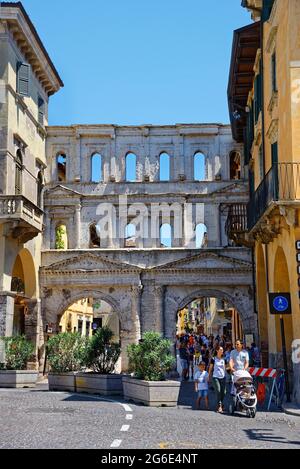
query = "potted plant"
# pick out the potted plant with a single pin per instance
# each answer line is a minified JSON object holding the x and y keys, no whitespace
{"x":14,"y":373}
{"x":101,"y":359}
{"x":150,"y":361}
{"x":65,"y":354}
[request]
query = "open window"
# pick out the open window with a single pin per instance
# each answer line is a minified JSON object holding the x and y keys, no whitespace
{"x":61,"y":165}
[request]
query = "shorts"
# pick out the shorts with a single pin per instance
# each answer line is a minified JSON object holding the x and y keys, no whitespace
{"x":184,"y":364}
{"x":203,"y":393}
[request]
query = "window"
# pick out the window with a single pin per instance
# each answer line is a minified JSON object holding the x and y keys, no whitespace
{"x":41,"y":109}
{"x":166,"y":235}
{"x":130,"y":236}
{"x":274,"y":72}
{"x":199,"y":167}
{"x":23,"y":74}
{"x":96,"y":168}
{"x":235,"y":165}
{"x":164,"y":167}
{"x":61,"y":163}
{"x":130,"y":163}
{"x":201,"y":236}
{"x":257,"y":96}
{"x":61,"y":239}
{"x":40,"y":186}
{"x":18,"y":175}
{"x":95,"y":241}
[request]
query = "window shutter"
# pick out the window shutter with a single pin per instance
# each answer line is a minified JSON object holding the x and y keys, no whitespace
{"x":41,"y":106}
{"x":23,"y":74}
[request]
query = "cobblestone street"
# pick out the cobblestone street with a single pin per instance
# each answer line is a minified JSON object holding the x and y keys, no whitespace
{"x":39,"y":419}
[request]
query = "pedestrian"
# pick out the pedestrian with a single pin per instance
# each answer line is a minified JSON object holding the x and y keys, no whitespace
{"x":217,"y":371}
{"x":239,"y":358}
{"x":184,"y":361}
{"x":255,"y":355}
{"x":201,"y":385}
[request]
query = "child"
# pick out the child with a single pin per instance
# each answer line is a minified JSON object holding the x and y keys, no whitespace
{"x":201,"y":385}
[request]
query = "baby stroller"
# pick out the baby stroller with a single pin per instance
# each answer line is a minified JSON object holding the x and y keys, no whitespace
{"x":243,"y":394}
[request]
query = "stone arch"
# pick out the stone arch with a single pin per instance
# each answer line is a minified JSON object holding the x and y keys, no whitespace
{"x":262,"y":303}
{"x":240,"y":298}
{"x":26,"y":264}
{"x":282,"y":284}
{"x":97,"y":294}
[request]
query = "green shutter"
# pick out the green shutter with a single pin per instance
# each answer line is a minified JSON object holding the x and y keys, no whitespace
{"x":41,"y":106}
{"x":23,"y":75}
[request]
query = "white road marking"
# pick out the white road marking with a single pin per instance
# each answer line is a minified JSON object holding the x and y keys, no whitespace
{"x":116,"y":444}
{"x":127,"y":408}
{"x":125,"y":428}
{"x":129,"y":417}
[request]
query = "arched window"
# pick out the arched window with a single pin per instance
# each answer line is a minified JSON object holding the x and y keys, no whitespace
{"x":40,"y":185}
{"x":130,"y":163}
{"x":199,"y":167}
{"x":130,"y":236}
{"x":95,"y":241}
{"x":18,"y":175}
{"x":201,"y":236}
{"x":235,"y":165}
{"x":164,"y":167}
{"x":61,"y":238}
{"x":96,"y":168}
{"x":166,"y":235}
{"x":61,"y":166}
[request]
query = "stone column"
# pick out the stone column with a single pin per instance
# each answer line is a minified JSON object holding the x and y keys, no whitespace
{"x":7,"y":303}
{"x":32,"y":327}
{"x":130,"y":332}
{"x":159,"y":298}
{"x":78,"y":226}
{"x":153,"y":309}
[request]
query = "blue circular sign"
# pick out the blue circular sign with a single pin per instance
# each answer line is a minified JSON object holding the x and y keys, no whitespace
{"x":280,"y":303}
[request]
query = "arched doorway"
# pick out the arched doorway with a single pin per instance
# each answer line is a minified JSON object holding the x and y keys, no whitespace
{"x":23,"y":285}
{"x":282,"y":284}
{"x":262,"y":305}
{"x":205,"y":322}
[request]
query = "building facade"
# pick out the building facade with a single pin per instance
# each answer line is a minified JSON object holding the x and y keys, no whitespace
{"x":132,"y":217}
{"x":27,"y":78}
{"x":265,"y":110}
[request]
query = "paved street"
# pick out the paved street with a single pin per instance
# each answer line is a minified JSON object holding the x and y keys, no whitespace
{"x":39,"y":419}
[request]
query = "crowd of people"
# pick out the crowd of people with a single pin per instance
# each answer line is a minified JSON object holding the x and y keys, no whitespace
{"x":208,"y":359}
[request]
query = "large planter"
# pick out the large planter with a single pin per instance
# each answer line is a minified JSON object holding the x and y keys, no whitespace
{"x":105,"y":385}
{"x":18,"y":379}
{"x":62,"y":382}
{"x":151,"y":393}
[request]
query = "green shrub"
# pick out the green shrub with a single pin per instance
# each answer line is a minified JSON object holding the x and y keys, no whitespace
{"x":151,"y":359}
{"x":18,"y":351}
{"x":101,"y":354}
{"x":66,"y":352}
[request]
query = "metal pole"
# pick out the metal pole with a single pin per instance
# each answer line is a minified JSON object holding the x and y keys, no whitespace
{"x":285,"y":361}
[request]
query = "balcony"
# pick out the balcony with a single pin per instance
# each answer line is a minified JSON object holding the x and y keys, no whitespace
{"x":237,"y":225}
{"x":23,"y":219}
{"x":281,"y":186}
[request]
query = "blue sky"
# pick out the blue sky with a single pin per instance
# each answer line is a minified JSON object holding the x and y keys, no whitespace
{"x":132,"y":62}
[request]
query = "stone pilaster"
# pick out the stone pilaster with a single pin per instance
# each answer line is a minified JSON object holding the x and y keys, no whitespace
{"x":153,"y":309}
{"x":6,"y":319}
{"x":32,"y":327}
{"x":130,"y":324}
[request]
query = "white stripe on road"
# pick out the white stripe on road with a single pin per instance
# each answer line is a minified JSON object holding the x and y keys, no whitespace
{"x":126,"y":407}
{"x":125,"y":428}
{"x":129,"y":417}
{"x":116,"y":444}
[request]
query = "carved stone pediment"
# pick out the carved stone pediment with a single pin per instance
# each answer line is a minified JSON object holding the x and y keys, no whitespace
{"x":88,"y":262}
{"x":232,"y":189}
{"x":61,"y":191}
{"x":207,"y":261}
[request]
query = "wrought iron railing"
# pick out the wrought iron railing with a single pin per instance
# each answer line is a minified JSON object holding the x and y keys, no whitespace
{"x":237,"y":223}
{"x":281,"y":183}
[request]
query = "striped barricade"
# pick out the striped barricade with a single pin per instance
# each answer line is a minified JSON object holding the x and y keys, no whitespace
{"x":268,"y":373}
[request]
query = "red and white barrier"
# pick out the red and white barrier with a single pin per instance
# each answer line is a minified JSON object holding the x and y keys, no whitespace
{"x":263,"y":372}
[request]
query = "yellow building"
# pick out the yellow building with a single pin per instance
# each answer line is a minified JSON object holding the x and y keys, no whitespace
{"x":264,"y":102}
{"x":78,"y":318}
